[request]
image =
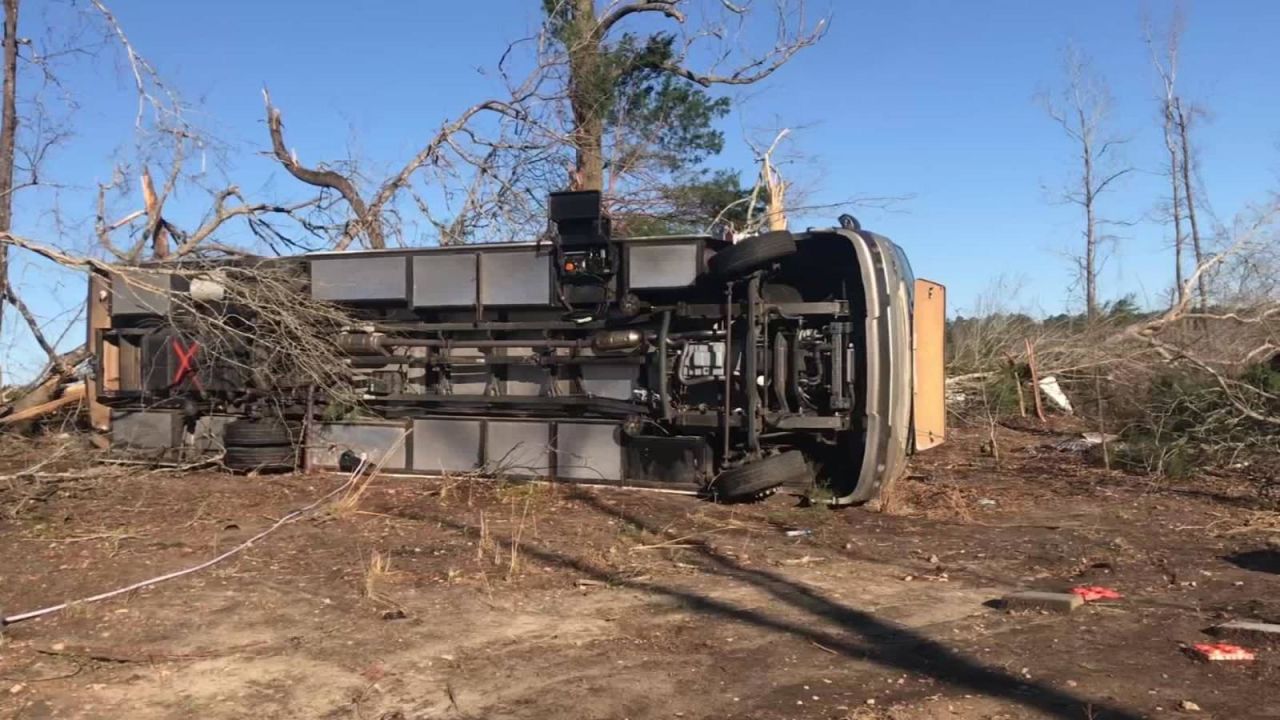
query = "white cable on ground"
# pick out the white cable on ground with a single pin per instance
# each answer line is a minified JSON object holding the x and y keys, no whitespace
{"x":364,"y":462}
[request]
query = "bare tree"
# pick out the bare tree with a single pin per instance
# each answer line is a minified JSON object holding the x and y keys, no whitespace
{"x":1167,"y":68}
{"x":9,"y":152}
{"x":1082,"y":112}
{"x":1177,"y":118}
{"x":30,"y":131}
{"x":8,"y":136}
{"x":368,"y":220}
{"x":1257,"y":325}
{"x":1183,"y":115}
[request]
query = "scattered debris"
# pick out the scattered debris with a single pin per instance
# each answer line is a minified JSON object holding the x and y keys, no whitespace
{"x":799,"y":532}
{"x":1062,"y":603}
{"x":805,"y":560}
{"x":1246,"y":630}
{"x":1221,"y":652}
{"x":585,"y":583}
{"x":1097,"y":438}
{"x":1085,"y":442}
{"x":1049,"y":386}
{"x":1188,"y":706}
{"x":71,"y":394}
{"x":1094,"y":593}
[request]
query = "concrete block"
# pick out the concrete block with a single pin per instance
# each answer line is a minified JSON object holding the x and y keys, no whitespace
{"x":1257,"y":632}
{"x":1051,"y":602}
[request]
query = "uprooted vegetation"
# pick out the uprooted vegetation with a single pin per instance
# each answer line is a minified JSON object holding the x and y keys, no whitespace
{"x":1172,"y":393}
{"x":1183,"y":423}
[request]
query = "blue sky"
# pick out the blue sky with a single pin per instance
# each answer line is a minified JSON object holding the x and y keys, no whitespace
{"x":928,"y":100}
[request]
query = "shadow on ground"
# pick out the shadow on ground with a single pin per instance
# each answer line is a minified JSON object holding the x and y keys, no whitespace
{"x":865,"y":637}
{"x":1266,"y":561}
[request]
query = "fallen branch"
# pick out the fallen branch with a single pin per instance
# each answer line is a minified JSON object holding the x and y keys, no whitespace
{"x":676,"y":542}
{"x":34,"y":326}
{"x":72,"y":394}
{"x":141,"y":656}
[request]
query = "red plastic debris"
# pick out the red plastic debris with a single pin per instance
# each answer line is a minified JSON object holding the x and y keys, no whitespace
{"x":1093,"y":593}
{"x":1221,"y":651}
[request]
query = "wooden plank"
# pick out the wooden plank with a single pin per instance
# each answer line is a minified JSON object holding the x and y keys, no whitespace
{"x":107,"y":360}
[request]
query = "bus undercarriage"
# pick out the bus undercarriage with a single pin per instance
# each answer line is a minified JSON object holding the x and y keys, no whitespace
{"x":687,"y":363}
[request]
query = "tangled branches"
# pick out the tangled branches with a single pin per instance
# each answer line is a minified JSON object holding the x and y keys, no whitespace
{"x":1187,"y":388}
{"x":259,"y":327}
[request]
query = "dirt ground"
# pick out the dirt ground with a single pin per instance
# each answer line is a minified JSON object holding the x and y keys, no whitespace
{"x":460,"y":598}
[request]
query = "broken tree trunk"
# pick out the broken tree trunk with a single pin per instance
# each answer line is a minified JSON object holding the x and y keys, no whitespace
{"x":48,"y":386}
{"x":1035,"y":380}
{"x":1017,"y":384}
{"x":73,"y":393}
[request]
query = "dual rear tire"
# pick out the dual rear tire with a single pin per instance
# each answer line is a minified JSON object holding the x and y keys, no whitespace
{"x":261,"y":445}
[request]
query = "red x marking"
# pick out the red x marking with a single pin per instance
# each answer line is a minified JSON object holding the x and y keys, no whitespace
{"x":186,"y":363}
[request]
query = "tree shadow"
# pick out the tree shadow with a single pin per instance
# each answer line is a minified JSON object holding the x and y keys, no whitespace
{"x":1267,"y":561}
{"x":864,"y":637}
{"x":1244,"y":502}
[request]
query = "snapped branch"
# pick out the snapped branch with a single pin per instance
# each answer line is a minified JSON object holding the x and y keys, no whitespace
{"x":55,"y":360}
{"x":368,"y":215}
{"x":322,"y":178}
{"x":221,"y":214}
{"x":612,"y":17}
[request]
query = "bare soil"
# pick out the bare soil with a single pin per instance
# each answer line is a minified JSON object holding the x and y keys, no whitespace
{"x":461,"y":598}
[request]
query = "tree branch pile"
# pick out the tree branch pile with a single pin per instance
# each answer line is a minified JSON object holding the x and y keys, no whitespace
{"x":257,"y":324}
{"x":1185,"y":387}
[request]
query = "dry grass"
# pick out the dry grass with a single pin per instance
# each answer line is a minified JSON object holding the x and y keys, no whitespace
{"x":935,"y":500}
{"x":486,"y":543}
{"x":348,"y":504}
{"x":378,"y":575}
{"x":1258,"y":521}
{"x":515,"y":537}
{"x":892,"y":500}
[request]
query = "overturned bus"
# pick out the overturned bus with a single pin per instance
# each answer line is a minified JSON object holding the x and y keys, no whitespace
{"x":689,"y":363}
